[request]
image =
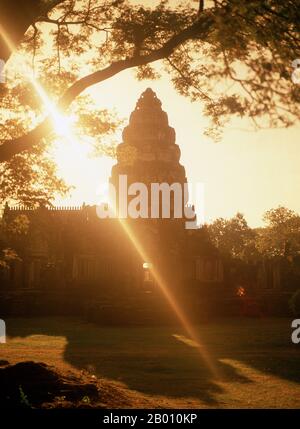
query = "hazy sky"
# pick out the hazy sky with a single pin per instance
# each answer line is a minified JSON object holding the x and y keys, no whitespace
{"x":247,"y":171}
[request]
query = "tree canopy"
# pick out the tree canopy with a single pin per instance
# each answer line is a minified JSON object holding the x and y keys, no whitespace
{"x":233,"y":56}
{"x":278,"y":239}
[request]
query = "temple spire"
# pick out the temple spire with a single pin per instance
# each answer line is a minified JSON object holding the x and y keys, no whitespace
{"x":148,"y":123}
{"x":148,"y":100}
{"x":148,"y":152}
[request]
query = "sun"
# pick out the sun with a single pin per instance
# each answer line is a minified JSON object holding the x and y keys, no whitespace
{"x":63,"y":124}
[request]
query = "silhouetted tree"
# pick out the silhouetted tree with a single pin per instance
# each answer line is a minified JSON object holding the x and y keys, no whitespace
{"x":232,"y":55}
{"x":281,"y":236}
{"x":233,"y":237}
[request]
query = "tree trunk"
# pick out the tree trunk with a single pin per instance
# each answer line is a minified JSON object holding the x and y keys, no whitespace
{"x":16,"y":17}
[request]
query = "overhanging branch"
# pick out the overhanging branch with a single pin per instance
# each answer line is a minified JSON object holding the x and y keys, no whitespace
{"x":200,"y":29}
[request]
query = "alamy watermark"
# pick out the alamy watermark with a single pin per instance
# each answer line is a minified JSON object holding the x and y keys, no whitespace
{"x":296,"y":332}
{"x":2,"y":331}
{"x":296,"y":72}
{"x":154,"y":201}
{"x":2,"y":72}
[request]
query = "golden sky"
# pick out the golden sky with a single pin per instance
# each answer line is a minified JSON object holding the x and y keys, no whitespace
{"x":247,"y":171}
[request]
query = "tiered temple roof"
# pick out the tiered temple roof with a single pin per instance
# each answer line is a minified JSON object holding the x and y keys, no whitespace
{"x":148,"y":153}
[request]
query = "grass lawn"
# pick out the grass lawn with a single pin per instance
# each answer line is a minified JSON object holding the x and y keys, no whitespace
{"x":255,"y":361}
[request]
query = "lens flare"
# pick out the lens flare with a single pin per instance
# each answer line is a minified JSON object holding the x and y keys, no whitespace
{"x":172,"y":301}
{"x":61,"y":123}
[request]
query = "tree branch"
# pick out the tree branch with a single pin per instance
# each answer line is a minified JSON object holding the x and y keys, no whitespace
{"x":199,"y":30}
{"x":17,"y":16}
{"x":201,"y":6}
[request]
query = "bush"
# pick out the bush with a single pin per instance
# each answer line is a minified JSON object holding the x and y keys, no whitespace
{"x":295,"y":303}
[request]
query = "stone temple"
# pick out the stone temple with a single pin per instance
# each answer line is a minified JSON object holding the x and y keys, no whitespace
{"x":149,"y":153}
{"x":70,"y":256}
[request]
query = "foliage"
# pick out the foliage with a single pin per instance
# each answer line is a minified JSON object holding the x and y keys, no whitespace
{"x":11,"y":233}
{"x":30,"y":179}
{"x":200,"y":69}
{"x":23,"y":398}
{"x":233,"y":237}
{"x":18,"y":226}
{"x":86,"y":400}
{"x":74,"y":44}
{"x":243,"y":73}
{"x":281,"y":237}
{"x":234,"y":56}
{"x":6,"y":256}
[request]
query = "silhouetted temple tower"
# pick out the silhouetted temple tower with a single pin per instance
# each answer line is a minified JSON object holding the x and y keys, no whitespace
{"x":149,"y":153}
{"x":74,"y":258}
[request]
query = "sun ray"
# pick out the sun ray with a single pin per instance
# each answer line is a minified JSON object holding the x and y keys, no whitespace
{"x":171,"y":299}
{"x":61,"y":123}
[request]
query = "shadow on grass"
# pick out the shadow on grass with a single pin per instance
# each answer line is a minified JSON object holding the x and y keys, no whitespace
{"x":154,"y":362}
